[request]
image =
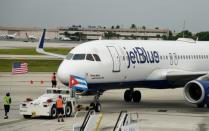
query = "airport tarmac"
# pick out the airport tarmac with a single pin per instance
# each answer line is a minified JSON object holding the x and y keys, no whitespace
{"x":159,"y":110}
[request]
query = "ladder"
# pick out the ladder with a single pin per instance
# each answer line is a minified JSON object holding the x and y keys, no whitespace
{"x":121,"y":120}
{"x":127,"y":122}
{"x":91,"y":122}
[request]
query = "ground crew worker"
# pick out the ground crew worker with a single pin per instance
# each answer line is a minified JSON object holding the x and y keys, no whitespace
{"x":53,"y":80}
{"x":7,"y":102}
{"x":59,"y":106}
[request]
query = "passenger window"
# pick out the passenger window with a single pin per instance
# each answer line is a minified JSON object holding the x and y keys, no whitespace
{"x":96,"y":57}
{"x":79,"y":56}
{"x":89,"y":57}
{"x":69,"y":56}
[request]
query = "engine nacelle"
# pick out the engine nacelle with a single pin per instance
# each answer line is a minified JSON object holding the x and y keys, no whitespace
{"x":197,"y":91}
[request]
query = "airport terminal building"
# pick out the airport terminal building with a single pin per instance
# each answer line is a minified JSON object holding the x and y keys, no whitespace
{"x":88,"y":33}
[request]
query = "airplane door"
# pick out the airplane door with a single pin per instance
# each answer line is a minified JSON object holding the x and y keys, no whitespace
{"x":171,"y":59}
{"x":115,"y":58}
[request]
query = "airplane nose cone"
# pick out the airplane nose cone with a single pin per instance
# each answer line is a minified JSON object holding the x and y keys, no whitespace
{"x":63,"y":73}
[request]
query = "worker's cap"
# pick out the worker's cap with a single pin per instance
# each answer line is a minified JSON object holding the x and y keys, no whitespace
{"x":7,"y":94}
{"x":60,"y":96}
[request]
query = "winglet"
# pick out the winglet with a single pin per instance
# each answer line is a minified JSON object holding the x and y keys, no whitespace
{"x":41,"y":41}
{"x":40,"y":48}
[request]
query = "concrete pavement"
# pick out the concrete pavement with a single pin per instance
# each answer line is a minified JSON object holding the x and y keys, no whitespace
{"x":160,"y":110}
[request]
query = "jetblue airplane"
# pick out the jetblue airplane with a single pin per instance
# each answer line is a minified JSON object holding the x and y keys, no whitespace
{"x":131,"y":64}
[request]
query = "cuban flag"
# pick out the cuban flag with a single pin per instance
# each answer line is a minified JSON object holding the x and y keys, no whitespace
{"x":78,"y":83}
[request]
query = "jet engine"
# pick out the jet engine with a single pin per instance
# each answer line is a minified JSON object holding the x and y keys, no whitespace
{"x":197,"y":92}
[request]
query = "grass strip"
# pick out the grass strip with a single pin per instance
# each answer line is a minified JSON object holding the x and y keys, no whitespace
{"x":32,"y":51}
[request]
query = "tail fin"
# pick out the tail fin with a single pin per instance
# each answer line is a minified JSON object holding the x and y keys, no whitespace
{"x":41,"y":41}
{"x":40,"y":48}
{"x":27,"y":35}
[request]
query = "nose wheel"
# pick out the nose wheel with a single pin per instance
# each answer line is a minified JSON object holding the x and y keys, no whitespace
{"x":130,"y":95}
{"x":96,"y":104}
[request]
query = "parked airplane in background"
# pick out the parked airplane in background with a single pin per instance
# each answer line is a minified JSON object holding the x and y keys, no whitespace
{"x":30,"y":37}
{"x":65,"y":38}
{"x":131,"y":64}
{"x":2,"y":36}
{"x":11,"y":36}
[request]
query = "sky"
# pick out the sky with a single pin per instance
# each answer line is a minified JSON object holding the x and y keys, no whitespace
{"x":169,"y":14}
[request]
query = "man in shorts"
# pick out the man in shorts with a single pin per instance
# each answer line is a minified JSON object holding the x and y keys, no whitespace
{"x":53,"y":80}
{"x":60,"y":110}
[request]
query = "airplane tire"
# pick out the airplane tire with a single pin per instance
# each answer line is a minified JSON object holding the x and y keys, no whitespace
{"x":92,"y":106}
{"x":128,"y":95}
{"x":207,"y":105}
{"x":98,"y":107}
{"x":200,"y":105}
{"x":136,"y":96}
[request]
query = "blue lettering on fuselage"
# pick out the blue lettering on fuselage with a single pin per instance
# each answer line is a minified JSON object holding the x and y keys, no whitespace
{"x":140,"y":56}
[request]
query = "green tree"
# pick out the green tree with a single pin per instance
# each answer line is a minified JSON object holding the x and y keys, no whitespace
{"x":133,"y":36}
{"x":66,"y":34}
{"x":80,"y":36}
{"x":185,"y":34}
{"x":110,"y":35}
{"x":117,"y":27}
{"x":202,"y":36}
{"x":169,"y":37}
{"x":144,"y":27}
{"x":133,"y":26}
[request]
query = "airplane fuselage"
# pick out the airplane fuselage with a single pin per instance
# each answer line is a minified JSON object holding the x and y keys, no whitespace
{"x":133,"y":63}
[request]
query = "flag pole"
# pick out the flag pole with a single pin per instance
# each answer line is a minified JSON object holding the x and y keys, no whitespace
{"x":71,"y":88}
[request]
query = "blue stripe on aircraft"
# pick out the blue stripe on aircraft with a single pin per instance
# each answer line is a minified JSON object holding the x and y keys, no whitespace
{"x":155,"y":84}
{"x":79,"y":88}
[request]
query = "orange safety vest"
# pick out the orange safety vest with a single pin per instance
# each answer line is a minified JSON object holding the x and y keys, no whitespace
{"x":53,"y":78}
{"x":59,"y":103}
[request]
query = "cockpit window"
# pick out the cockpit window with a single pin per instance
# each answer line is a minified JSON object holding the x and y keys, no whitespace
{"x":69,"y":56}
{"x":89,"y":57}
{"x":96,"y":57}
{"x":79,"y":56}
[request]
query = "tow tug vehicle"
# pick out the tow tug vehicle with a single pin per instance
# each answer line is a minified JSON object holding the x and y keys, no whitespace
{"x":45,"y":105}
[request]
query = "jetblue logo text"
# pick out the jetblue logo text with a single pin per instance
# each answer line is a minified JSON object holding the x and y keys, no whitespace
{"x":141,"y":56}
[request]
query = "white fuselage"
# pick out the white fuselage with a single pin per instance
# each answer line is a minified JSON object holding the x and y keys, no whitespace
{"x":124,"y":61}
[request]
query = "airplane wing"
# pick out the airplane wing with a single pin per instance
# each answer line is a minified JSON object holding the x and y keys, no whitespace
{"x":177,"y":77}
{"x":40,"y":48}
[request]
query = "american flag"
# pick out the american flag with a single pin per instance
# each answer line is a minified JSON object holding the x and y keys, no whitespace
{"x":19,"y":68}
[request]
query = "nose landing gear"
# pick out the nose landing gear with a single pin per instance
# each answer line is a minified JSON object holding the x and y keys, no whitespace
{"x":96,"y":104}
{"x":130,"y":95}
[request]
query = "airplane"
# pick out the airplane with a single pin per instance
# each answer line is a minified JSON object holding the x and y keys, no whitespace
{"x":2,"y":36}
{"x":30,"y":37}
{"x":131,"y":64}
{"x":65,"y":38}
{"x":13,"y":36}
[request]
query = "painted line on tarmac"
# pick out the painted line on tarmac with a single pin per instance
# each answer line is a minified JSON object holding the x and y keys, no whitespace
{"x":12,"y":122}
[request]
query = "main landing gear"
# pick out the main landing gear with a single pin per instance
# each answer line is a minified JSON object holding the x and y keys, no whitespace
{"x":96,"y":104}
{"x":130,"y":95}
